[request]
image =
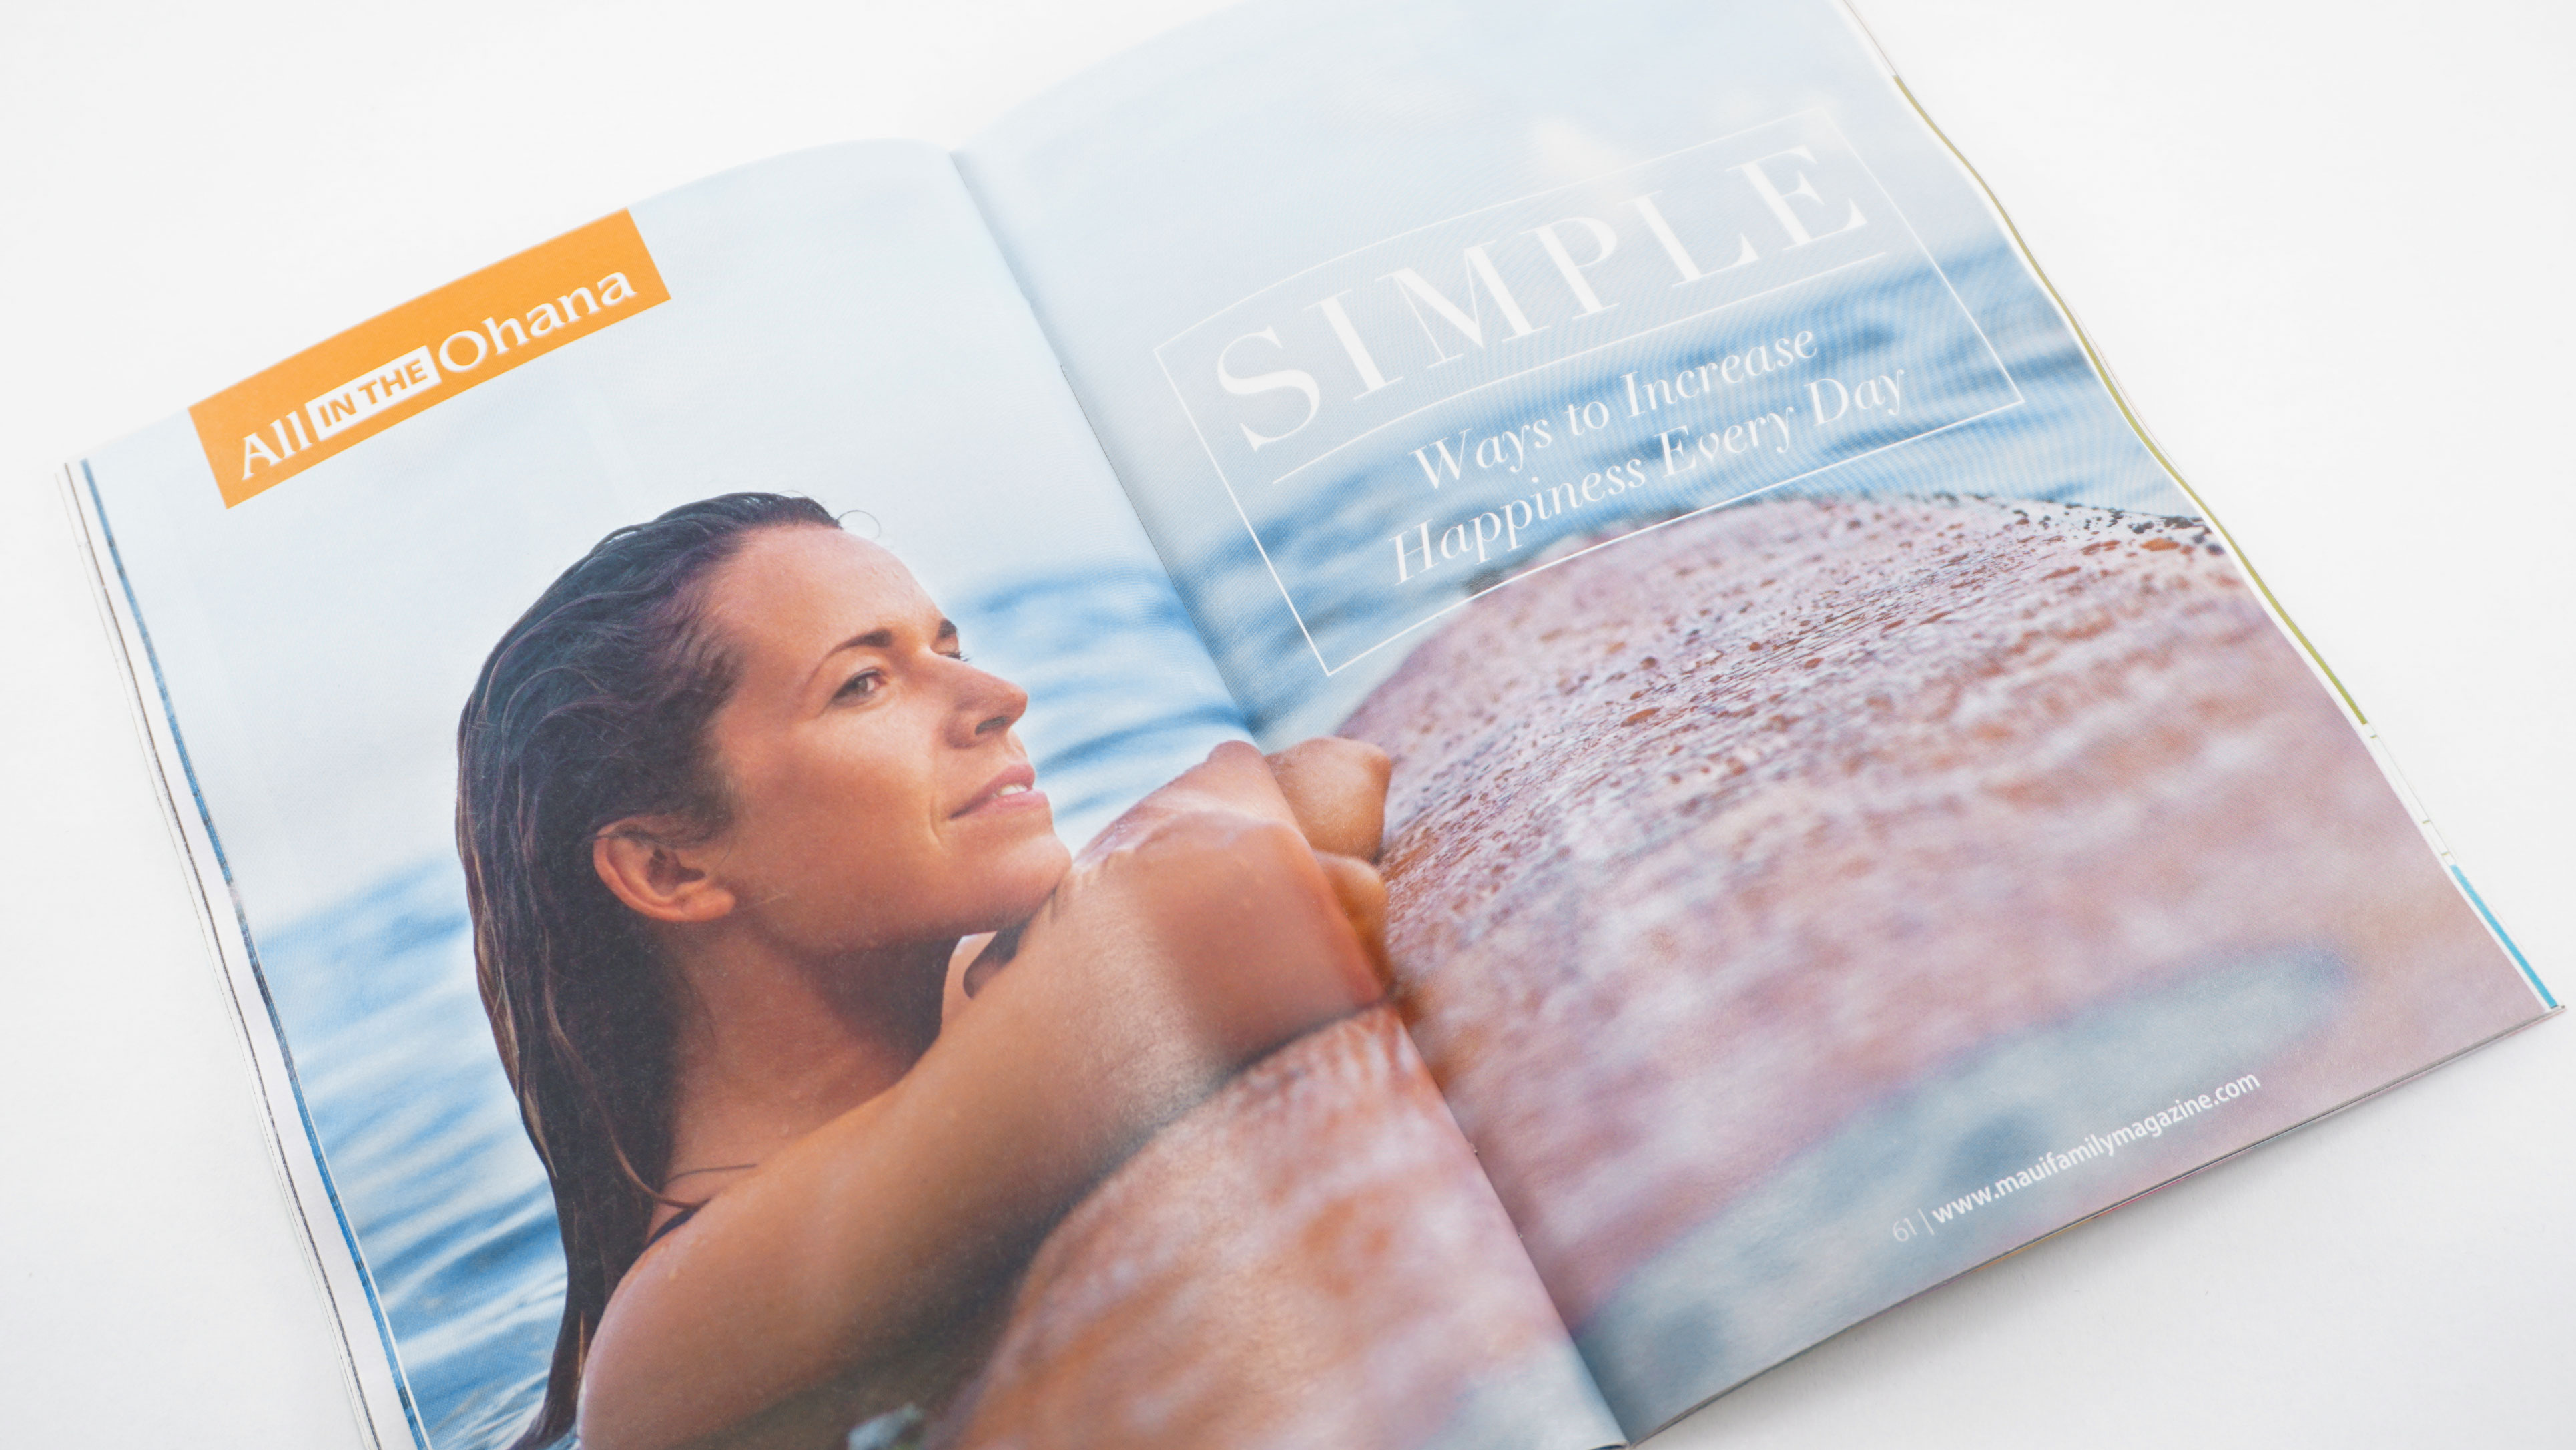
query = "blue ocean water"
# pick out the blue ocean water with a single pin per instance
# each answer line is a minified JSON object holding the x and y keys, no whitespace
{"x":418,"y":1129}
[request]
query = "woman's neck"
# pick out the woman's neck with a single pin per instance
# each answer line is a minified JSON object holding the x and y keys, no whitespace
{"x":769,"y":1048}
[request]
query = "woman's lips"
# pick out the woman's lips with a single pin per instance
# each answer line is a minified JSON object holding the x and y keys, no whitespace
{"x":1015,"y":789}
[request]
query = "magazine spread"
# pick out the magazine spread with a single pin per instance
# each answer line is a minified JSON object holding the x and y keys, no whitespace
{"x":716,"y":755}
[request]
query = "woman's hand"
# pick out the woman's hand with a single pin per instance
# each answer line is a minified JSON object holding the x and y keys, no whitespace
{"x":1223,"y":863}
{"x":1332,"y":790}
{"x":1336,"y":788}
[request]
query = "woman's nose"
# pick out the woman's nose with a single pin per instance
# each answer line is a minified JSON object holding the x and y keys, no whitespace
{"x":988,"y":703}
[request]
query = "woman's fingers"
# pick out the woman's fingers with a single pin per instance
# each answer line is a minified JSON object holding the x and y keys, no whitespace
{"x":996,"y":953}
{"x":1362,"y":894}
{"x":1224,"y":926}
{"x":1337,"y":790}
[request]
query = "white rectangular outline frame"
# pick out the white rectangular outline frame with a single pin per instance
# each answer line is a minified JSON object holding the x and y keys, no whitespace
{"x":1821,"y":113}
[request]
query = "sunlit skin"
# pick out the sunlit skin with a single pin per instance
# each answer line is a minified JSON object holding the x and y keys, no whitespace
{"x":878,"y":1150}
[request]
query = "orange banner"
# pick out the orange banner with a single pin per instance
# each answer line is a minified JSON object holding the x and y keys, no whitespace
{"x":259,"y":433}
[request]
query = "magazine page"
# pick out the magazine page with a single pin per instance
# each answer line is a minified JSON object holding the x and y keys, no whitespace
{"x":1853,"y":813}
{"x":641,"y":673}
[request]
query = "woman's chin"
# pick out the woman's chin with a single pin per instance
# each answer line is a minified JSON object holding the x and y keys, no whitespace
{"x":1027,"y":874}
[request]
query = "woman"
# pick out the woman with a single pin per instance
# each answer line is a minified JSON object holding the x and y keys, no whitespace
{"x":737,"y":818}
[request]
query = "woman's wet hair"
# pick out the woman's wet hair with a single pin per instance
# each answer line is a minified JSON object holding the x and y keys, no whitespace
{"x":594,"y":708}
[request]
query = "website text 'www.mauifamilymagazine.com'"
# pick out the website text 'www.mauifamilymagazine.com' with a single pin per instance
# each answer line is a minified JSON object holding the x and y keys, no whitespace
{"x":2095,"y":1145}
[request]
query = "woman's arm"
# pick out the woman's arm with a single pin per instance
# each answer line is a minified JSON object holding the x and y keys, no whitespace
{"x":1200,"y":931}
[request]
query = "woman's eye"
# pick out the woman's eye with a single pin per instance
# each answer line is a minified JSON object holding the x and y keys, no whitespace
{"x":861,"y":685}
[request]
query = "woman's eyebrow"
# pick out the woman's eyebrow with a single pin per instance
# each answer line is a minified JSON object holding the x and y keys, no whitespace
{"x":881,"y":637}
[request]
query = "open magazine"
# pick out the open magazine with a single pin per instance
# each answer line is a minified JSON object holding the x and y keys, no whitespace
{"x":714,"y":752}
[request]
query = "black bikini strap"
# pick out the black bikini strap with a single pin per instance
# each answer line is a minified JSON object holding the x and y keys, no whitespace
{"x":674,"y":1221}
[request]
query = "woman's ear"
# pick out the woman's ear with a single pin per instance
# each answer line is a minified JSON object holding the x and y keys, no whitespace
{"x":638,"y":863}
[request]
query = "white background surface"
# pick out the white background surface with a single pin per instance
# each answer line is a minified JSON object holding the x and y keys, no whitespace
{"x":192,"y":192}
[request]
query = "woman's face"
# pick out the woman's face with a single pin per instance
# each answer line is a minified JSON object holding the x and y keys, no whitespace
{"x":879,"y":795}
